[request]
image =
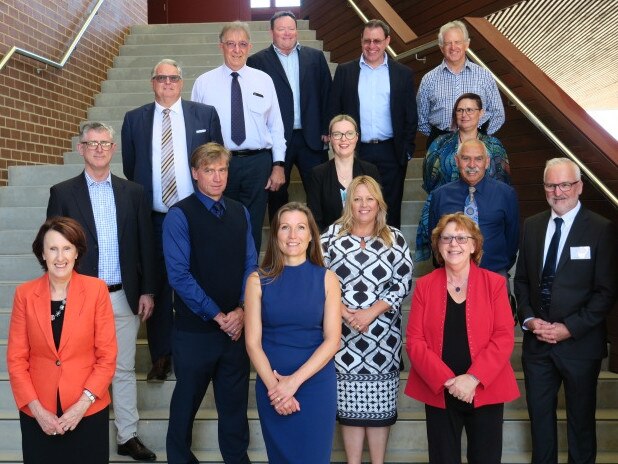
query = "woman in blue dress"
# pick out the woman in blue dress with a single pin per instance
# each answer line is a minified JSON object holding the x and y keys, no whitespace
{"x":292,"y":332}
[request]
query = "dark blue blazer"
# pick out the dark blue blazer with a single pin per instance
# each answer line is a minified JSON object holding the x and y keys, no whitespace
{"x":315,"y":85}
{"x":201,"y":125}
{"x":345,"y":100}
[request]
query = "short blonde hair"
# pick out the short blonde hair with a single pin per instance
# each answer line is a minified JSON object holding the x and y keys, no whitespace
{"x":461,"y":222}
{"x":209,"y":153}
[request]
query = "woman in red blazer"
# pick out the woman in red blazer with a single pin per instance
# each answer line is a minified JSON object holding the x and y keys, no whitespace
{"x":460,"y":337}
{"x":62,"y":353}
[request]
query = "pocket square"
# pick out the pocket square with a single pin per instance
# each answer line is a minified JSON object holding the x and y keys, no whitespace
{"x":200,"y":131}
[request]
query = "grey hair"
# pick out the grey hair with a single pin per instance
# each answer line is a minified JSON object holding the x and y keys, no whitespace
{"x":453,"y":25}
{"x":97,"y":127}
{"x":235,"y":26}
{"x":562,"y":161}
{"x":166,"y":61}
{"x":475,"y":142}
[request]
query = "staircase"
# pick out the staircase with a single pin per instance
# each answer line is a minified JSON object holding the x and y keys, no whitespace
{"x":22,"y":211}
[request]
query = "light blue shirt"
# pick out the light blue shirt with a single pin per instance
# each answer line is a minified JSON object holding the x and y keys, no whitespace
{"x":374,"y":94}
{"x":263,"y":123}
{"x":104,"y":210}
{"x":291,"y":67}
{"x":441,"y":87}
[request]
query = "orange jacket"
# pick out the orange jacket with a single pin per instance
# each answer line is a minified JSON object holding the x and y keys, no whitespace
{"x":86,"y":357}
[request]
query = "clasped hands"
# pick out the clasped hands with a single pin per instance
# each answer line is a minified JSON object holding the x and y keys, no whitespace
{"x":51,"y":424}
{"x":359,"y":320}
{"x":282,"y":395}
{"x":462,"y":387}
{"x":548,"y":332}
{"x":231,"y":323}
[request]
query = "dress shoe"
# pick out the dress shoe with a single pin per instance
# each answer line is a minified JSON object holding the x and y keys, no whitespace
{"x":161,"y":368}
{"x":136,"y":449}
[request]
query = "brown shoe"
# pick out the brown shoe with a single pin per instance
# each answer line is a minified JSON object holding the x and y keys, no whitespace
{"x":136,"y":449}
{"x":160,"y":370}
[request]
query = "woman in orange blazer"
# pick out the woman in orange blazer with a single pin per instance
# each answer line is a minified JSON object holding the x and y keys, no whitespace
{"x":460,"y":337}
{"x":62,"y":353}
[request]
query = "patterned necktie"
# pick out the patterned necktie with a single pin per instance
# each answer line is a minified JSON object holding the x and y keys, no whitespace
{"x":549,"y":269}
{"x":169,"y":192}
{"x":238,"y":115}
{"x":217,"y":209}
{"x":470,"y":208}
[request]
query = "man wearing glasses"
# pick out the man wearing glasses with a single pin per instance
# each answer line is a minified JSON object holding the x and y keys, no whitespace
{"x":115,"y":216}
{"x":492,"y":204}
{"x":246,"y":101}
{"x":565,"y":284}
{"x":157,"y":141}
{"x":379,"y":94}
{"x":455,"y":76}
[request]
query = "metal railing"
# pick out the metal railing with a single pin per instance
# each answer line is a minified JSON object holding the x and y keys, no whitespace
{"x":66,"y":56}
{"x":533,"y":118}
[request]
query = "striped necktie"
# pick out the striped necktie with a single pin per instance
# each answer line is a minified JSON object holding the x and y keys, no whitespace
{"x":169,"y":192}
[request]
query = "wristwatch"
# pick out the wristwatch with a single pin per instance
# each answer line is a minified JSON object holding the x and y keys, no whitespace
{"x":278,"y":163}
{"x":89,"y":394}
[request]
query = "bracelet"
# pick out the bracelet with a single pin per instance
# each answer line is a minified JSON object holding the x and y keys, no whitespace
{"x":474,"y":377}
{"x":90,"y":396}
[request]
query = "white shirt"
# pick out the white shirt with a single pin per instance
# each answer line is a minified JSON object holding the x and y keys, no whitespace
{"x":184,"y":181}
{"x":568,"y":219}
{"x":263,"y":123}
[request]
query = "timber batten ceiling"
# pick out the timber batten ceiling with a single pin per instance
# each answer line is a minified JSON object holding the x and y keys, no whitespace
{"x":575,"y":42}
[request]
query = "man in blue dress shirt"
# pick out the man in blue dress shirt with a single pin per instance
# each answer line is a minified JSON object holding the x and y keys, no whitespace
{"x":209,"y":253}
{"x":497,"y":209}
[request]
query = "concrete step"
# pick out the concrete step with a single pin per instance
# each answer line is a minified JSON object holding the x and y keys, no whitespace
{"x":164,"y":50}
{"x":19,"y":268}
{"x":15,"y":242}
{"x":48,"y":175}
{"x":21,"y":218}
{"x":24,"y":196}
{"x":203,"y":38}
{"x":215,"y":27}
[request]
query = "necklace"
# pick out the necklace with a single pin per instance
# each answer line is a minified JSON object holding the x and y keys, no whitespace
{"x":57,"y":314}
{"x":457,"y":287}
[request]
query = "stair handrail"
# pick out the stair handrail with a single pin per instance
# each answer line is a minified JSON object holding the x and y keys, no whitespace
{"x":67,"y":55}
{"x":521,"y":106}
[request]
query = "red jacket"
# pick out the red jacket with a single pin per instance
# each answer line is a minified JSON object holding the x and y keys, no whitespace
{"x":490,"y":336}
{"x":86,"y":357}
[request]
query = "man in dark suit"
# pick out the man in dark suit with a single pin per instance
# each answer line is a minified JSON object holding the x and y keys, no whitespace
{"x":116,"y":219}
{"x":379,"y":94}
{"x":302,"y":81}
{"x":143,"y":153}
{"x":565,"y":284}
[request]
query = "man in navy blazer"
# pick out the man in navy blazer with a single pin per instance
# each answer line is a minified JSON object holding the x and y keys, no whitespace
{"x":193,"y":124}
{"x":379,"y":94}
{"x":563,"y":315}
{"x":303,"y":82}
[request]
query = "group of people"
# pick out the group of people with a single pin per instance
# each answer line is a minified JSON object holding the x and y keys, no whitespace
{"x":176,"y":245}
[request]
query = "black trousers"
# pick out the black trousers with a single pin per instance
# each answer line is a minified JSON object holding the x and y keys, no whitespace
{"x":393,"y":176}
{"x":298,"y":153}
{"x":483,"y":430}
{"x":198,"y":359}
{"x":543,"y":377}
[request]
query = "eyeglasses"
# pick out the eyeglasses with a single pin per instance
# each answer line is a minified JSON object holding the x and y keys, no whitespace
{"x":93,"y":145}
{"x":468,"y":111}
{"x":348,"y":135}
{"x":161,"y":78}
{"x":231,"y":45}
{"x":460,"y":239}
{"x":377,"y":42}
{"x":563,"y":186}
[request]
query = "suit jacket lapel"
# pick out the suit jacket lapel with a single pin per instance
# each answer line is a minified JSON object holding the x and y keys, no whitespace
{"x":82,"y":198}
{"x":539,"y":242}
{"x":276,"y":63}
{"x":122,"y":208}
{"x":190,"y":127}
{"x":75,"y":304}
{"x":42,"y":299}
{"x":147,"y":120}
{"x":354,"y":86}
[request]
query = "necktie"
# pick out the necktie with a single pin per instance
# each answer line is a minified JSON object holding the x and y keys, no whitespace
{"x":549,"y":269}
{"x":169,"y":193}
{"x":238,"y":116}
{"x":470,"y":208}
{"x":217,"y":209}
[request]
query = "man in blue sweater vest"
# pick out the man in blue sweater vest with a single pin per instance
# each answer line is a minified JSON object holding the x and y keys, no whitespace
{"x":209,"y":253}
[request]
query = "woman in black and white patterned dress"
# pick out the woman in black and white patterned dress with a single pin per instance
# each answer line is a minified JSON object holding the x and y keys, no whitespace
{"x":373,"y":263}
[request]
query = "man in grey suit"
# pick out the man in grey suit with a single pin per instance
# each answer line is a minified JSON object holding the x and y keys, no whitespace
{"x":302,"y":81}
{"x":565,"y":284}
{"x":115,"y":216}
{"x":191,"y":125}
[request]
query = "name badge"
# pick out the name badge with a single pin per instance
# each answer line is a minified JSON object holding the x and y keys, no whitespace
{"x":200,"y":131}
{"x":582,"y":252}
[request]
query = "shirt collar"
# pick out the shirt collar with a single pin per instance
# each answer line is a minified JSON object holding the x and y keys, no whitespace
{"x":90,"y":181}
{"x":280,"y":53}
{"x":568,"y":217}
{"x":362,"y":62}
{"x":479,"y":186}
{"x":175,"y":108}
{"x":229,"y":71}
{"x":207,"y":201}
{"x":444,"y":66}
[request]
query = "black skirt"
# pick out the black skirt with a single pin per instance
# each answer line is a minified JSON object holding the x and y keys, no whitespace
{"x":88,"y":443}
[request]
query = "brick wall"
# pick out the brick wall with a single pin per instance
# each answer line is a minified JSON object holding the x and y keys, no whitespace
{"x":40,"y":109}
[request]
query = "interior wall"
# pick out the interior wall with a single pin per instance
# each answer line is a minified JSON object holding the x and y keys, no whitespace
{"x":41,"y":107}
